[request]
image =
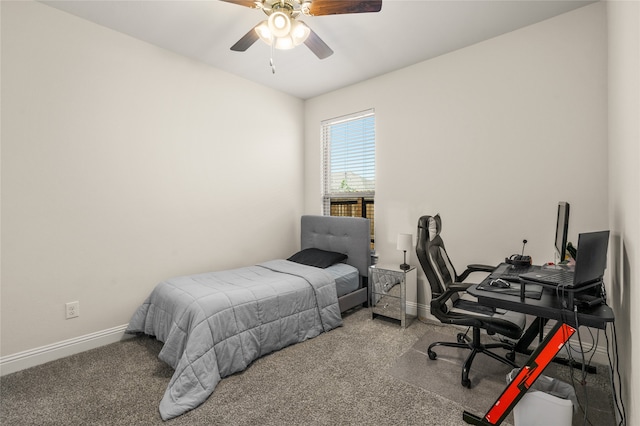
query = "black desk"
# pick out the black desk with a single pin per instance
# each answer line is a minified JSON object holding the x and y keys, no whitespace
{"x":549,"y":306}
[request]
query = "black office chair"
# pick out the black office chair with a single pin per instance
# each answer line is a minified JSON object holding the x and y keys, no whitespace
{"x":450,"y":303}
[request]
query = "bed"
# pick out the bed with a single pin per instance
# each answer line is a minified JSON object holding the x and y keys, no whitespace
{"x":215,"y":324}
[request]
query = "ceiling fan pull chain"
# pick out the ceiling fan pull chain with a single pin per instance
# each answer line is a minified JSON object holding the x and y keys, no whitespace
{"x":273,"y":66}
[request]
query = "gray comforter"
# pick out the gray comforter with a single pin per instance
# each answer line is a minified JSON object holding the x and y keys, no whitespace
{"x":215,"y":324}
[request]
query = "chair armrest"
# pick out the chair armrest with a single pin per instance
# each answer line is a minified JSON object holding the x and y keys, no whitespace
{"x":440,"y":311}
{"x":492,"y":324}
{"x":454,"y":288}
{"x":458,"y":287}
{"x":475,"y":268}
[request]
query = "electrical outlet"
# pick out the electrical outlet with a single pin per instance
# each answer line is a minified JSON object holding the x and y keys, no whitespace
{"x":73,"y":309}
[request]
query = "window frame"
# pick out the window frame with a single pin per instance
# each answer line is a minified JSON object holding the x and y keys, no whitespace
{"x":363,"y":197}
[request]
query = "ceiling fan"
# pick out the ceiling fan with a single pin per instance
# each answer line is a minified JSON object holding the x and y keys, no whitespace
{"x":282,"y":29}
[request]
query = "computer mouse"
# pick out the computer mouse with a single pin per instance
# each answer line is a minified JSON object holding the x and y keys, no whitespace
{"x":500,"y":283}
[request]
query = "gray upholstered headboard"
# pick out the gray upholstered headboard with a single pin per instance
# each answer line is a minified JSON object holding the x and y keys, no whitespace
{"x":348,"y":235}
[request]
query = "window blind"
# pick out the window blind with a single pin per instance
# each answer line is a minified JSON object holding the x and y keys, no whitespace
{"x":348,"y":157}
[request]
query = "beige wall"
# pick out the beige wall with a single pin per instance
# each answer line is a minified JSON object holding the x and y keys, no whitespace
{"x":124,"y":164}
{"x":117,"y":157}
{"x":624,"y":192}
{"x":521,"y":117}
{"x":562,"y":99}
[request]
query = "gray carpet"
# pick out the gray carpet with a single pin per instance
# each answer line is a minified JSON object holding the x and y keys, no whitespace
{"x":351,"y":375}
{"x":488,"y":379}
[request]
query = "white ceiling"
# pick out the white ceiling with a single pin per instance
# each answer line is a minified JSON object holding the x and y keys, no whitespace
{"x":366,"y":45}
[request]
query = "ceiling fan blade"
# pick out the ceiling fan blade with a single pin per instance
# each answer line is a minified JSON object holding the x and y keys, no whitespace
{"x":317,"y":46}
{"x":246,"y":41}
{"x":338,"y":7}
{"x":247,"y":3}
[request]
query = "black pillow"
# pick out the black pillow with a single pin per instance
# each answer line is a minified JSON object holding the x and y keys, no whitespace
{"x":318,"y":258}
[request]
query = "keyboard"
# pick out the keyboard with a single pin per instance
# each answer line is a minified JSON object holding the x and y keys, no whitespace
{"x":511,"y":272}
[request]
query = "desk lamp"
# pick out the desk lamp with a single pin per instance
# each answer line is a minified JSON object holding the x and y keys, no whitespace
{"x":405,"y":242}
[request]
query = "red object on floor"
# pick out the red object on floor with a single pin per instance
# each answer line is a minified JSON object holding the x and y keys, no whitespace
{"x":529,"y":373}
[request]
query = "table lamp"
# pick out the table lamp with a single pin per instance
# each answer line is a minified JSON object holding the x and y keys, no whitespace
{"x":405,"y":242}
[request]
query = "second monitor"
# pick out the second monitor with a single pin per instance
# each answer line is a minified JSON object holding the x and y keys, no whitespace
{"x":562,"y":228}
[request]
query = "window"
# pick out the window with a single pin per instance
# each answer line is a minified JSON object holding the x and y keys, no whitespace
{"x":349,"y":175}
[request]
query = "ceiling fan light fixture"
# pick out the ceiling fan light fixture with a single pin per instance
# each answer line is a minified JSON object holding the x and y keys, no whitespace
{"x":284,"y":43}
{"x":299,"y":32}
{"x":264,"y":32}
{"x":279,"y":24}
{"x":272,"y":31}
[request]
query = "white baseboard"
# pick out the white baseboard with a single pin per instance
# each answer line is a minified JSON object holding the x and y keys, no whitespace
{"x":32,"y":357}
{"x":418,"y":309}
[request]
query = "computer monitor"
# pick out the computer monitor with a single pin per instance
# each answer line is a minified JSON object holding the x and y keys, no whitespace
{"x":562,"y":227}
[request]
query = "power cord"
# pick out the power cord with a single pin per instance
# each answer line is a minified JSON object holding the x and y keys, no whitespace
{"x":622,"y":414}
{"x":583,"y":403}
{"x":614,"y":367}
{"x":593,"y":347}
{"x":583,"y":378}
{"x":571,"y":361}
